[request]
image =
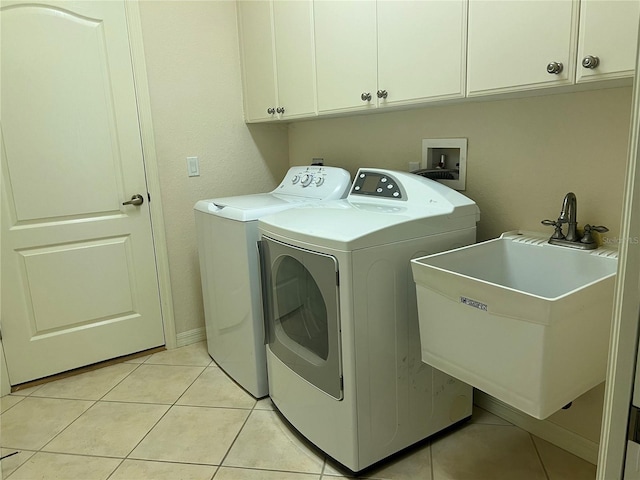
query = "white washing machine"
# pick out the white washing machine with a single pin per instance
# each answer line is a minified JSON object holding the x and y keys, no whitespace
{"x":227,"y":230}
{"x":343,"y":350}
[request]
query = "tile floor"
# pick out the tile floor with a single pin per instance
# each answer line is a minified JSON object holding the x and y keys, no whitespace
{"x":176,"y":415}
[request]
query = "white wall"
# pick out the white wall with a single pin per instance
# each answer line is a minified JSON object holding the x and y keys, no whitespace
{"x":193,"y":66}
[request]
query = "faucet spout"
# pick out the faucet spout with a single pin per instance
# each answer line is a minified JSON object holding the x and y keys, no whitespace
{"x":569,"y":216}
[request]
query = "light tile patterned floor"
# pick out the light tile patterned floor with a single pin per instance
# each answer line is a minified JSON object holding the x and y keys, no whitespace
{"x":176,"y":415}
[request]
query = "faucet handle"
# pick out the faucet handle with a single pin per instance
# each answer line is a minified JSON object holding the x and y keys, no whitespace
{"x":596,"y":228}
{"x":557,"y":234}
{"x":588,"y":237}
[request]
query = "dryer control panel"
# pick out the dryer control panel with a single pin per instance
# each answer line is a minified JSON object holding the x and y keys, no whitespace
{"x":376,"y":184}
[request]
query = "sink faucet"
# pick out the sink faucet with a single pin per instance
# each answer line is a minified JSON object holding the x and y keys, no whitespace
{"x":568,"y":215}
{"x":572,"y":239}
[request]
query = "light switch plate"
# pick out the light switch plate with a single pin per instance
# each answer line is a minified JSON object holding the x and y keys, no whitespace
{"x":193,"y":167}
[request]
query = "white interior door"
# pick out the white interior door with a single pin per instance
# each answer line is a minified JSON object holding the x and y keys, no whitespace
{"x":79,"y":280}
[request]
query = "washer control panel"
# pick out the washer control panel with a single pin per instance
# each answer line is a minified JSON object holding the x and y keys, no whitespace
{"x":376,"y":184}
{"x":315,"y":181}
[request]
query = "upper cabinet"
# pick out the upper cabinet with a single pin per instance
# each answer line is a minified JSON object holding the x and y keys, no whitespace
{"x":277,"y":54}
{"x":303,"y":58}
{"x":531,"y":44}
{"x":517,"y":45}
{"x":376,"y":54}
{"x":607,"y":39}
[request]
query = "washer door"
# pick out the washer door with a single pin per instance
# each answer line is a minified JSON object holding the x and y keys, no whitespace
{"x":301,"y":312}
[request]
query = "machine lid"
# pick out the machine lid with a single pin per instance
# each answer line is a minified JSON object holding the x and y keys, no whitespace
{"x":245,"y":208}
{"x":301,"y":184}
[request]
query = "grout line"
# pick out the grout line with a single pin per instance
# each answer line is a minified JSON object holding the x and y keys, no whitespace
{"x":164,"y":414}
{"x":10,"y":407}
{"x":224,"y":457}
{"x":115,"y":469}
{"x":431,"y":459}
{"x":215,"y":472}
{"x":535,"y":447}
{"x":72,"y":422}
{"x":204,"y":369}
{"x":271,"y":470}
{"x":122,"y":380}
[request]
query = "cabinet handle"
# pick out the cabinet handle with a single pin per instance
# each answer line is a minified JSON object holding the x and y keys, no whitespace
{"x":271,"y":110}
{"x":280,"y":109}
{"x":590,"y":61}
{"x":366,"y":97}
{"x":382,"y":94}
{"x":555,"y":68}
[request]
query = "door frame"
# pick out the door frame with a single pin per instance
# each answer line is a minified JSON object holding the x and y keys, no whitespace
{"x":150,"y":160}
{"x":626,"y":310}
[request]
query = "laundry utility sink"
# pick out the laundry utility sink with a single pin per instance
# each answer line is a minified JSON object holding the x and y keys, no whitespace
{"x":518,"y":318}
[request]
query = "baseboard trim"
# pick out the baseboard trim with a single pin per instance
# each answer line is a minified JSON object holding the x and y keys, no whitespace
{"x":544,"y":429}
{"x":191,"y":336}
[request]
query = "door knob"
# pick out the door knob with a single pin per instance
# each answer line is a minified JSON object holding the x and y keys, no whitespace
{"x":382,"y":93}
{"x":365,"y":97}
{"x":136,"y":200}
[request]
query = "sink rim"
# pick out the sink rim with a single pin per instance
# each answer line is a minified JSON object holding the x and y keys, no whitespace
{"x":604,"y":258}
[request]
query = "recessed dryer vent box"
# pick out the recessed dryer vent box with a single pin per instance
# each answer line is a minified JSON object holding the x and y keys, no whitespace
{"x":445,"y":160}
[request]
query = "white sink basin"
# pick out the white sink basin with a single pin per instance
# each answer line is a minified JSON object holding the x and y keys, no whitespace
{"x":522,"y":320}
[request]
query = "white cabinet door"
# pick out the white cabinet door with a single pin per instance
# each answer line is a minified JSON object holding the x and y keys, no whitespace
{"x":608,"y":33}
{"x":345,"y":35}
{"x":295,"y":63}
{"x":511,"y":43}
{"x":421,"y":50}
{"x":258,"y":60}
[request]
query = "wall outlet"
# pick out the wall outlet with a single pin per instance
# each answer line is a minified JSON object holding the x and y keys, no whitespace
{"x":447,"y":160}
{"x":193,"y":167}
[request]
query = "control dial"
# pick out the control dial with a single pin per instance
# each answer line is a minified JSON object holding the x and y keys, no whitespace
{"x":295,"y":179}
{"x":319,"y":181}
{"x":307,"y":178}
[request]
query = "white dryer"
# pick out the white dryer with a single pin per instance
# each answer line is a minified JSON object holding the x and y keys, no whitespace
{"x":343,"y":349}
{"x":227,"y":230}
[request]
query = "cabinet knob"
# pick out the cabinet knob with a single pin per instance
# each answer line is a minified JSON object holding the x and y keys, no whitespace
{"x":280,"y":109}
{"x":271,"y":110}
{"x":590,"y":61}
{"x":382,"y":94}
{"x":555,"y":68}
{"x":366,"y":97}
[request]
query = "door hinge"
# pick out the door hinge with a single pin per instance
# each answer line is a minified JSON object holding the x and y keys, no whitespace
{"x":149,"y":197}
{"x":337,"y":278}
